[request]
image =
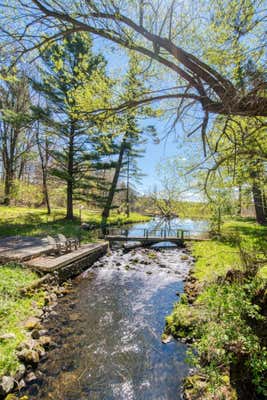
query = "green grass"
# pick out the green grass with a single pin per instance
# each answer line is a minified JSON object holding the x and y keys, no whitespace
{"x":226,"y":319}
{"x":214,"y":258}
{"x":35,"y":222}
{"x":14,"y":309}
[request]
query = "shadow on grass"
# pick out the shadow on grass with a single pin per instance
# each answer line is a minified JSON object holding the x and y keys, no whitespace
{"x":35,"y":226}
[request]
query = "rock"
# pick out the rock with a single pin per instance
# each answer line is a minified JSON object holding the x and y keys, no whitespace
{"x":38,"y":313}
{"x":31,"y":377}
{"x":166,"y":338}
{"x":40,"y":350}
{"x":35,"y":334}
{"x":7,"y":384}
{"x":53,"y":313}
{"x":29,"y":344}
{"x":29,"y":356}
{"x":43,"y":332}
{"x":20,"y":371}
{"x":85,"y":226}
{"x":45,"y":341}
{"x":33,"y":389}
{"x":32,"y":323}
{"x":66,"y":291}
{"x":7,"y":336}
{"x":21,"y":384}
{"x":74,"y":316}
{"x":53,"y":297}
{"x":184,"y":257}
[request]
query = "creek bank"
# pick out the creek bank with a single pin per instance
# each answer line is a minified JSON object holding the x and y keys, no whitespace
{"x":33,"y":349}
{"x":220,"y":321}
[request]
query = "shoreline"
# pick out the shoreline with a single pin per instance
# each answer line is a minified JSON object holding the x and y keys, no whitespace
{"x":33,"y":349}
{"x":189,"y":322}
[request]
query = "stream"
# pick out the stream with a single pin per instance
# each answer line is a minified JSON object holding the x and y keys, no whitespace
{"x":108,"y":331}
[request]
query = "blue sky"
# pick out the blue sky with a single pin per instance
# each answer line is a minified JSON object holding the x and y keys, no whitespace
{"x":170,"y":145}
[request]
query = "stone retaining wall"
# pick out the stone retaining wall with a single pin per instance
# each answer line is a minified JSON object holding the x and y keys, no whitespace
{"x":80,"y":265}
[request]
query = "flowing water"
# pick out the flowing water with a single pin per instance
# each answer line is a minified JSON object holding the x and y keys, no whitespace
{"x":108,"y":331}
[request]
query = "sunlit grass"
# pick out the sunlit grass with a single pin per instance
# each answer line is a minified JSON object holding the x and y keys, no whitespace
{"x":14,"y":309}
{"x":35,"y":222}
{"x":214,"y":258}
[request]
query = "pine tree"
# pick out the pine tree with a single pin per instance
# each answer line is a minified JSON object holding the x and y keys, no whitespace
{"x":67,"y":67}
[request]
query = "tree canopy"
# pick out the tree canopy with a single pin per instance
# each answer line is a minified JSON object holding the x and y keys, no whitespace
{"x":209,"y":45}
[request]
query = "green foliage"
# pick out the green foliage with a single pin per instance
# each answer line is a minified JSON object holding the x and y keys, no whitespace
{"x":226,"y":321}
{"x":70,"y":68}
{"x":14,"y":309}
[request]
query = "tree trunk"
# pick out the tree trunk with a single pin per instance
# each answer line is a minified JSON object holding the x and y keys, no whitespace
{"x":128,"y":188}
{"x":264,"y":200}
{"x":45,"y":193}
{"x":258,"y":203}
{"x":239,"y":206}
{"x":44,"y":163}
{"x":8,"y":187}
{"x":69,"y":213}
{"x":107,"y":207}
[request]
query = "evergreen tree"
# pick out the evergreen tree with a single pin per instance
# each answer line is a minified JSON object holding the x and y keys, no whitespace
{"x":68,"y":66}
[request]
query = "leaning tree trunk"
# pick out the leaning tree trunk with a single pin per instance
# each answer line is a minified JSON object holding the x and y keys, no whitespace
{"x":112,"y":190}
{"x":258,"y":203}
{"x":44,"y":162}
{"x":128,"y":188}
{"x":69,"y":213}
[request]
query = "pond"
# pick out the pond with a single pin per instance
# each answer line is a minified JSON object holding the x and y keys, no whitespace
{"x":108,"y":331}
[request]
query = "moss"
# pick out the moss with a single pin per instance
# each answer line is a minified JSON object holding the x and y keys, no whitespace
{"x":182,"y":322}
{"x":196,"y":387}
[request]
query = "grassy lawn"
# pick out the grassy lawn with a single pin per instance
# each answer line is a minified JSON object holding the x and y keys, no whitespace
{"x":14,"y":309}
{"x":214,"y":258}
{"x":35,"y":222}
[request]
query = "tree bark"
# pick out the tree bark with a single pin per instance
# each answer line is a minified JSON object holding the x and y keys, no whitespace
{"x":107,"y":207}
{"x":8,"y":187}
{"x":44,"y":162}
{"x":69,"y":211}
{"x":128,"y":188}
{"x":239,"y":206}
{"x":258,"y":203}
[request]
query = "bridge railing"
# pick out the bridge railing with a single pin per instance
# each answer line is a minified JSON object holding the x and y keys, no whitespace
{"x":156,"y":233}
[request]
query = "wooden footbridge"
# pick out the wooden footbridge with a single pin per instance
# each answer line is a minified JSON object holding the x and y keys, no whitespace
{"x":153,"y":236}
